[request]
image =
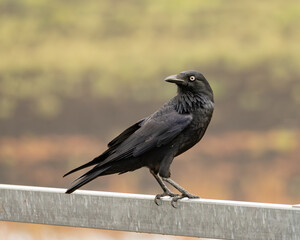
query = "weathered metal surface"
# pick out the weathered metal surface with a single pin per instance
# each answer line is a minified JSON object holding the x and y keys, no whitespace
{"x":133,"y":212}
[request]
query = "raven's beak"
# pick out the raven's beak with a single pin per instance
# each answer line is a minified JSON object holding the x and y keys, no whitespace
{"x":174,"y":79}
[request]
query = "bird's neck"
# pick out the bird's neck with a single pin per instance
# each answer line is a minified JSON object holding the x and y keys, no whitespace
{"x":187,"y":102}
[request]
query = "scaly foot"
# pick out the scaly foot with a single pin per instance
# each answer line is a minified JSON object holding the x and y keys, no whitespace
{"x":165,"y":193}
{"x":184,"y":195}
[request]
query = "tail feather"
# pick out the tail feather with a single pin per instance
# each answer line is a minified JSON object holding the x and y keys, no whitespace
{"x":80,"y":167}
{"x":91,"y":163}
{"x":87,"y":177}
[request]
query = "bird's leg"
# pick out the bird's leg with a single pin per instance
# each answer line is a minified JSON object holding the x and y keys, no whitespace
{"x":167,"y":191}
{"x":184,"y":193}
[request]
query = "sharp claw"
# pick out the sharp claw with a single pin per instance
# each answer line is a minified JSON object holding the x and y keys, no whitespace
{"x":174,"y":203}
{"x":157,"y":200}
{"x":159,"y":196}
{"x":175,"y":199}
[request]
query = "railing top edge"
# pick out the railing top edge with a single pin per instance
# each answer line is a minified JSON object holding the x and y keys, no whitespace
{"x":147,"y":197}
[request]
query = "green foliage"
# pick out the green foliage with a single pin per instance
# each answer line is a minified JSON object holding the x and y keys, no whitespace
{"x":51,"y":50}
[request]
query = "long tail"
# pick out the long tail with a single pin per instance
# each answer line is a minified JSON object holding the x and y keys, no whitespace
{"x":87,"y":177}
{"x":95,"y":161}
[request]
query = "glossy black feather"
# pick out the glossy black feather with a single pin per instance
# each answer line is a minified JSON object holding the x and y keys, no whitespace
{"x":125,"y":134}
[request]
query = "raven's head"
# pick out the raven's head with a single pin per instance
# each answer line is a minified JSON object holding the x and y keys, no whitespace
{"x":193,"y":82}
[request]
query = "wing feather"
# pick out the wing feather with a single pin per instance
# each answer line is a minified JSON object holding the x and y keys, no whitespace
{"x":155,"y":132}
{"x":125,"y":134}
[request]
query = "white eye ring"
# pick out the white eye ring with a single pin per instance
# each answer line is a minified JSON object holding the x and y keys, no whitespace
{"x":192,"y":78}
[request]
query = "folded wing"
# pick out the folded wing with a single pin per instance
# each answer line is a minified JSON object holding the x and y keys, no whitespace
{"x":147,"y":134}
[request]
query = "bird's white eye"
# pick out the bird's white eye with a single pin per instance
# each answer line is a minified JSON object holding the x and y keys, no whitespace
{"x":192,"y":78}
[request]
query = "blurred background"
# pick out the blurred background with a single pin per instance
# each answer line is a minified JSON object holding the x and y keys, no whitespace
{"x":73,"y":74}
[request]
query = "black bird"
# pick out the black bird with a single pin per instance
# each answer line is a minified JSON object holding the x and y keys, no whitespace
{"x":154,"y":141}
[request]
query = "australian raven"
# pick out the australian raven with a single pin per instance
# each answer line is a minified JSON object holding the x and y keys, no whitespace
{"x":154,"y":141}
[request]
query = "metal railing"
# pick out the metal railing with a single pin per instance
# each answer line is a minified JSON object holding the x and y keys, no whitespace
{"x":135,"y":212}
